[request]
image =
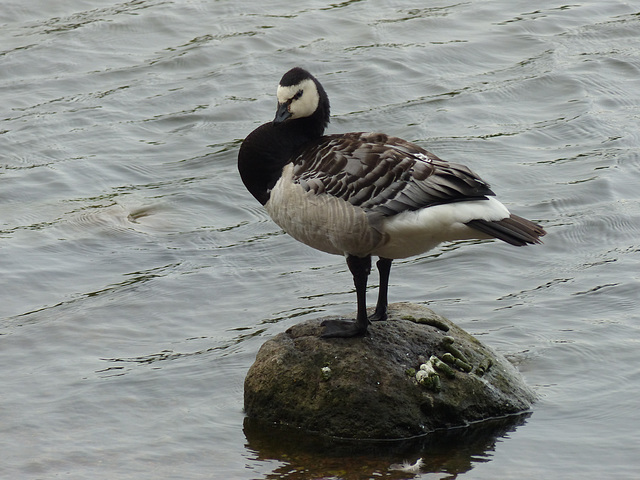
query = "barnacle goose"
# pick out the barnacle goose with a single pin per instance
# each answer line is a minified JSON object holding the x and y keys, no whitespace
{"x":364,"y":194}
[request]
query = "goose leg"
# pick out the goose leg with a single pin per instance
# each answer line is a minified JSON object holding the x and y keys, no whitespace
{"x":384,"y":267}
{"x":360,"y":269}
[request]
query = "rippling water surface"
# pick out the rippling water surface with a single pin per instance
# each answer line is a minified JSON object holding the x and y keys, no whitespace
{"x":139,"y":278}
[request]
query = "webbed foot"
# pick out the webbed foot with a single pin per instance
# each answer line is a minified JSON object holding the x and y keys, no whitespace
{"x":343,"y":329}
{"x":378,"y":316}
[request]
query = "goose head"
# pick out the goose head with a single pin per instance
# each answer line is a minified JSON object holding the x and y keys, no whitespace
{"x":301,"y":96}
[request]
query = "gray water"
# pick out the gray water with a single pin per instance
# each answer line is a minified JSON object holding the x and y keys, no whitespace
{"x":139,"y":278}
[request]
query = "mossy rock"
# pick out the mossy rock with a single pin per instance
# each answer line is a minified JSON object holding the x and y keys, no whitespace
{"x":410,"y":375}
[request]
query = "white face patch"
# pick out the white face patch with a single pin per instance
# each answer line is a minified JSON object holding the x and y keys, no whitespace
{"x":300,"y":104}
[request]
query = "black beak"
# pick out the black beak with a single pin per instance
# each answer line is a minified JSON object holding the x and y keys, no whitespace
{"x":282,"y":113}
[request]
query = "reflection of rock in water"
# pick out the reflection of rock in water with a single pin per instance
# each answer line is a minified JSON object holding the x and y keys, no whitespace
{"x":415,"y":373}
{"x":451,"y":451}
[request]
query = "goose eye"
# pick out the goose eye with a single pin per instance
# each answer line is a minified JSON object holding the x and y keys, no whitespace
{"x":297,"y":95}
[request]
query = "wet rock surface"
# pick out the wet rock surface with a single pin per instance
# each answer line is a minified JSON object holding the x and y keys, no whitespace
{"x":412,"y":374}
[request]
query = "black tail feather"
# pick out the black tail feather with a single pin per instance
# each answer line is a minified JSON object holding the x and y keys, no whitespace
{"x":514,"y":230}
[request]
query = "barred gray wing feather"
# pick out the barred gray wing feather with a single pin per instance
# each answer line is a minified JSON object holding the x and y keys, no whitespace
{"x":384,"y":175}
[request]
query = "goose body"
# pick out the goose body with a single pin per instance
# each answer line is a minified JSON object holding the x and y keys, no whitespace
{"x":364,"y":194}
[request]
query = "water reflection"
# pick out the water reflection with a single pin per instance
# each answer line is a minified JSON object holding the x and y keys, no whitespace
{"x":446,"y":453}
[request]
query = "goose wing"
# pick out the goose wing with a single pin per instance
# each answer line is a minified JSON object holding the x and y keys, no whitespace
{"x":384,"y":175}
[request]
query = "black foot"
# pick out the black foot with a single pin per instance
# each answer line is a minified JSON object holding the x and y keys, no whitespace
{"x":342,"y":329}
{"x":378,"y":316}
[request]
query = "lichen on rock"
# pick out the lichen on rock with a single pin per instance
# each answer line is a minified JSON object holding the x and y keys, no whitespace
{"x":372,"y":387}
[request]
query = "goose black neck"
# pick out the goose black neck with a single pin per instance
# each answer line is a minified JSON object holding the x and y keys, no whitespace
{"x":267,"y":149}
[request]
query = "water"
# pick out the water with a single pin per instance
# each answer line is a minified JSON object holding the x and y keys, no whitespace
{"x":140,"y":278}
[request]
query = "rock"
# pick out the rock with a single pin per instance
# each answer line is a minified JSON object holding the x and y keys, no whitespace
{"x":410,"y":375}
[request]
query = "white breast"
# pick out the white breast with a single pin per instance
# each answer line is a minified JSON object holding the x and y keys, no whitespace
{"x":321,"y":221}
